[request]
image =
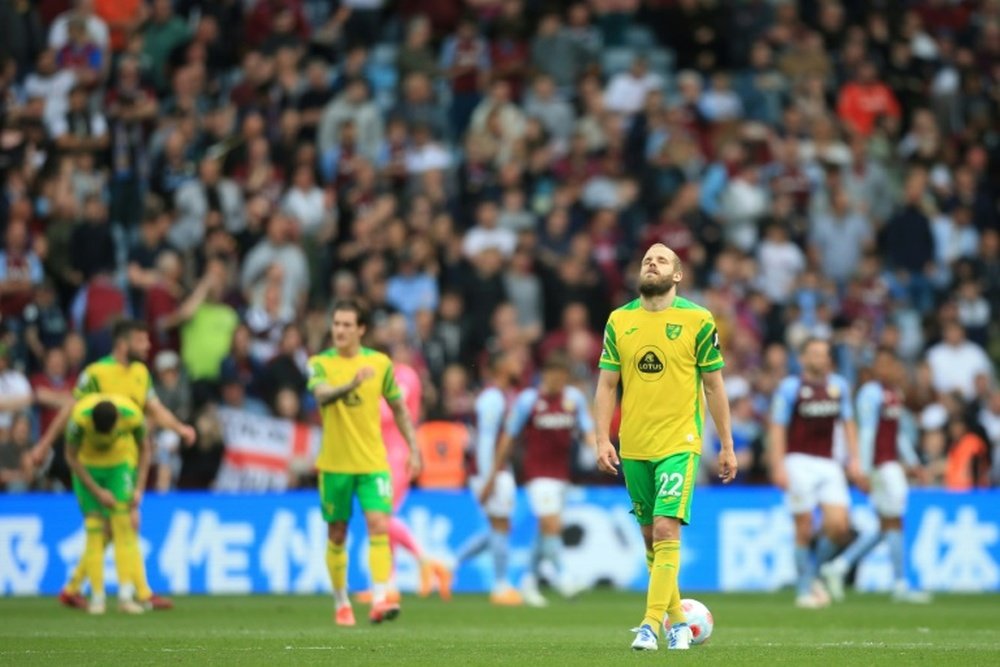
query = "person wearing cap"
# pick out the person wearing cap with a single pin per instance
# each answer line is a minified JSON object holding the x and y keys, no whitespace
{"x":546,"y":420}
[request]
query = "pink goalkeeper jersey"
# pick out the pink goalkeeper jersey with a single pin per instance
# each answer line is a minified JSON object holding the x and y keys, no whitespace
{"x":409,"y":383}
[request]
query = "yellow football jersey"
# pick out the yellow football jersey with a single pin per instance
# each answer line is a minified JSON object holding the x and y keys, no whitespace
{"x":107,"y":376}
{"x":103,"y":450}
{"x":352,"y":433}
{"x":661,"y":356}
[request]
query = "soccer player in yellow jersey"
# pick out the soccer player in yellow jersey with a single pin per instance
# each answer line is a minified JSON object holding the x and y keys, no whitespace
{"x":122,"y":373}
{"x":103,"y":438}
{"x":665,"y":350}
{"x":348,"y":381}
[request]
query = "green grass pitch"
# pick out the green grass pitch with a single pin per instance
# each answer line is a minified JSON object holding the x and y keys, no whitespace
{"x":592,"y":630}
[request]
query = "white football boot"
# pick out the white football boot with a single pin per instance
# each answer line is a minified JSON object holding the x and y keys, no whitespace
{"x":834,"y":573}
{"x":679,"y":637}
{"x":645,"y":639}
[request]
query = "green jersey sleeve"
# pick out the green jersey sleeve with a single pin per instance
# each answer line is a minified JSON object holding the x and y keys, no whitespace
{"x":74,"y":434}
{"x":317,"y":374}
{"x":610,"y":360}
{"x":85,"y":384}
{"x":707,"y":350}
{"x":390,"y":389}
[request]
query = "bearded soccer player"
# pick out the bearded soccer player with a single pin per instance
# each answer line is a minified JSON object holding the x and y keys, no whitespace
{"x":348,"y":381}
{"x":399,"y":456}
{"x":122,"y":373}
{"x":104,"y":434}
{"x":547,"y":420}
{"x":882,"y":444}
{"x":804,"y":413}
{"x":665,"y":350}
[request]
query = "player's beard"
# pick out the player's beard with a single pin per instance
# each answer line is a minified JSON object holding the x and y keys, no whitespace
{"x":656,"y":285}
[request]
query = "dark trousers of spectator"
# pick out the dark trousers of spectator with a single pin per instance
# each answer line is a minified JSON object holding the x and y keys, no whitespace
{"x":462,"y":106}
{"x":363,"y":27}
{"x":126,"y":201}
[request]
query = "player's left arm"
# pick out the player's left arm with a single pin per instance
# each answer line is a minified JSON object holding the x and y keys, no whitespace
{"x":143,"y":442}
{"x":718,"y":407}
{"x":401,"y":415}
{"x":584,"y":421}
{"x":708,"y":356}
{"x":854,"y":472}
{"x":516,"y":420}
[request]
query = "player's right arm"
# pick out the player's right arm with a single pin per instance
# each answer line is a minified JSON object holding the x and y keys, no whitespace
{"x":327,"y":393}
{"x":781,"y":414}
{"x":516,"y":421}
{"x":605,"y":397}
{"x":85,"y":384}
{"x":74,"y":439}
{"x":869,"y":402}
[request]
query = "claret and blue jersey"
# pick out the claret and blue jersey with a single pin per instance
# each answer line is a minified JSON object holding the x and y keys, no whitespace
{"x":810,"y":412}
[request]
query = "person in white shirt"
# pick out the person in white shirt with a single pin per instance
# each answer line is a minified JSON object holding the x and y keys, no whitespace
{"x":956,"y":363}
{"x":425,"y":154}
{"x":781,"y":262}
{"x":97,"y":29}
{"x":487,"y":234}
{"x":309,"y":205}
{"x":626,"y":92}
{"x":15,"y":390}
{"x":51,"y":84}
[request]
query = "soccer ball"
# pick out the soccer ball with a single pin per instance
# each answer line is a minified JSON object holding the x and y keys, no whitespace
{"x":699,"y":618}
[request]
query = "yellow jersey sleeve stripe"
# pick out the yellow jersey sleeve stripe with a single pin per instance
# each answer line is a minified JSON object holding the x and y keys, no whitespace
{"x":606,"y":365}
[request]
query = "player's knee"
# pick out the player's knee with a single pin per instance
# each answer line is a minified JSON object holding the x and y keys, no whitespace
{"x":803,"y":529}
{"x":337,"y":532}
{"x":378,"y":523}
{"x":666,"y":528}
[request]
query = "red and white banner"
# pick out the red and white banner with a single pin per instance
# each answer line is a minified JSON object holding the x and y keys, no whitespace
{"x":260,"y":451}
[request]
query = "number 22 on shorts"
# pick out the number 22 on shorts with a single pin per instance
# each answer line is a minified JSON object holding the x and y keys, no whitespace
{"x":671,"y":484}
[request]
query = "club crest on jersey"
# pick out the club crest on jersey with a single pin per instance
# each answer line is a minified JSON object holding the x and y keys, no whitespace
{"x":674,"y":331}
{"x":567,"y":405}
{"x":649,"y":363}
{"x":352,"y":400}
{"x":833,"y":391}
{"x":807,"y":393}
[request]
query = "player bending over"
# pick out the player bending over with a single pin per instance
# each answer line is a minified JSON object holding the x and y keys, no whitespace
{"x":882,"y":444}
{"x":804,"y":412}
{"x":546,"y":420}
{"x":399,"y":456}
{"x":105,"y":434}
{"x":122,"y":373}
{"x":498,"y":505}
{"x":348,"y":380}
{"x":665,"y":350}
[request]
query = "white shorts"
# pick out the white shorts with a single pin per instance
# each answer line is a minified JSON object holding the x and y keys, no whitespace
{"x":500,"y":504}
{"x":547,"y":496}
{"x":814,"y":481}
{"x":889,"y":490}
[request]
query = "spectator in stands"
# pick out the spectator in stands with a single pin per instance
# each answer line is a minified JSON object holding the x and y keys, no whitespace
{"x":277,"y":257}
{"x":174,"y":392}
{"x":17,"y":472}
{"x":20,"y":273}
{"x":45,"y":323}
{"x":52,"y":387}
{"x":210,"y":201}
{"x":627,"y":91}
{"x":867,"y":101}
{"x":95,"y":27}
{"x":207,"y":332}
{"x":354,"y":105}
{"x":968,"y":457}
{"x":92,"y":242}
{"x":956,"y":363}
{"x":15,"y":390}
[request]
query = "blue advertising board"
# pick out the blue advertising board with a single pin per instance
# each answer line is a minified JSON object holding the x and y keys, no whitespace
{"x":740,"y":539}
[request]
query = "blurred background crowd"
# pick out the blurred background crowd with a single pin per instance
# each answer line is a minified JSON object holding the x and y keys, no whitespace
{"x":486,"y":174}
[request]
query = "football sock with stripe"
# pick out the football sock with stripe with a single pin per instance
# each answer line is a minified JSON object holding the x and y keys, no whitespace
{"x":662,"y":580}
{"x":894,"y":539}
{"x":379,"y":564}
{"x":805,"y":569}
{"x":91,"y":565}
{"x":336,"y":565}
{"x":859,"y":548}
{"x":500,"y":550}
{"x":125,"y":545}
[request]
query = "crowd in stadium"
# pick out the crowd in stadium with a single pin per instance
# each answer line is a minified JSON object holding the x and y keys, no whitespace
{"x":486,"y":174}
